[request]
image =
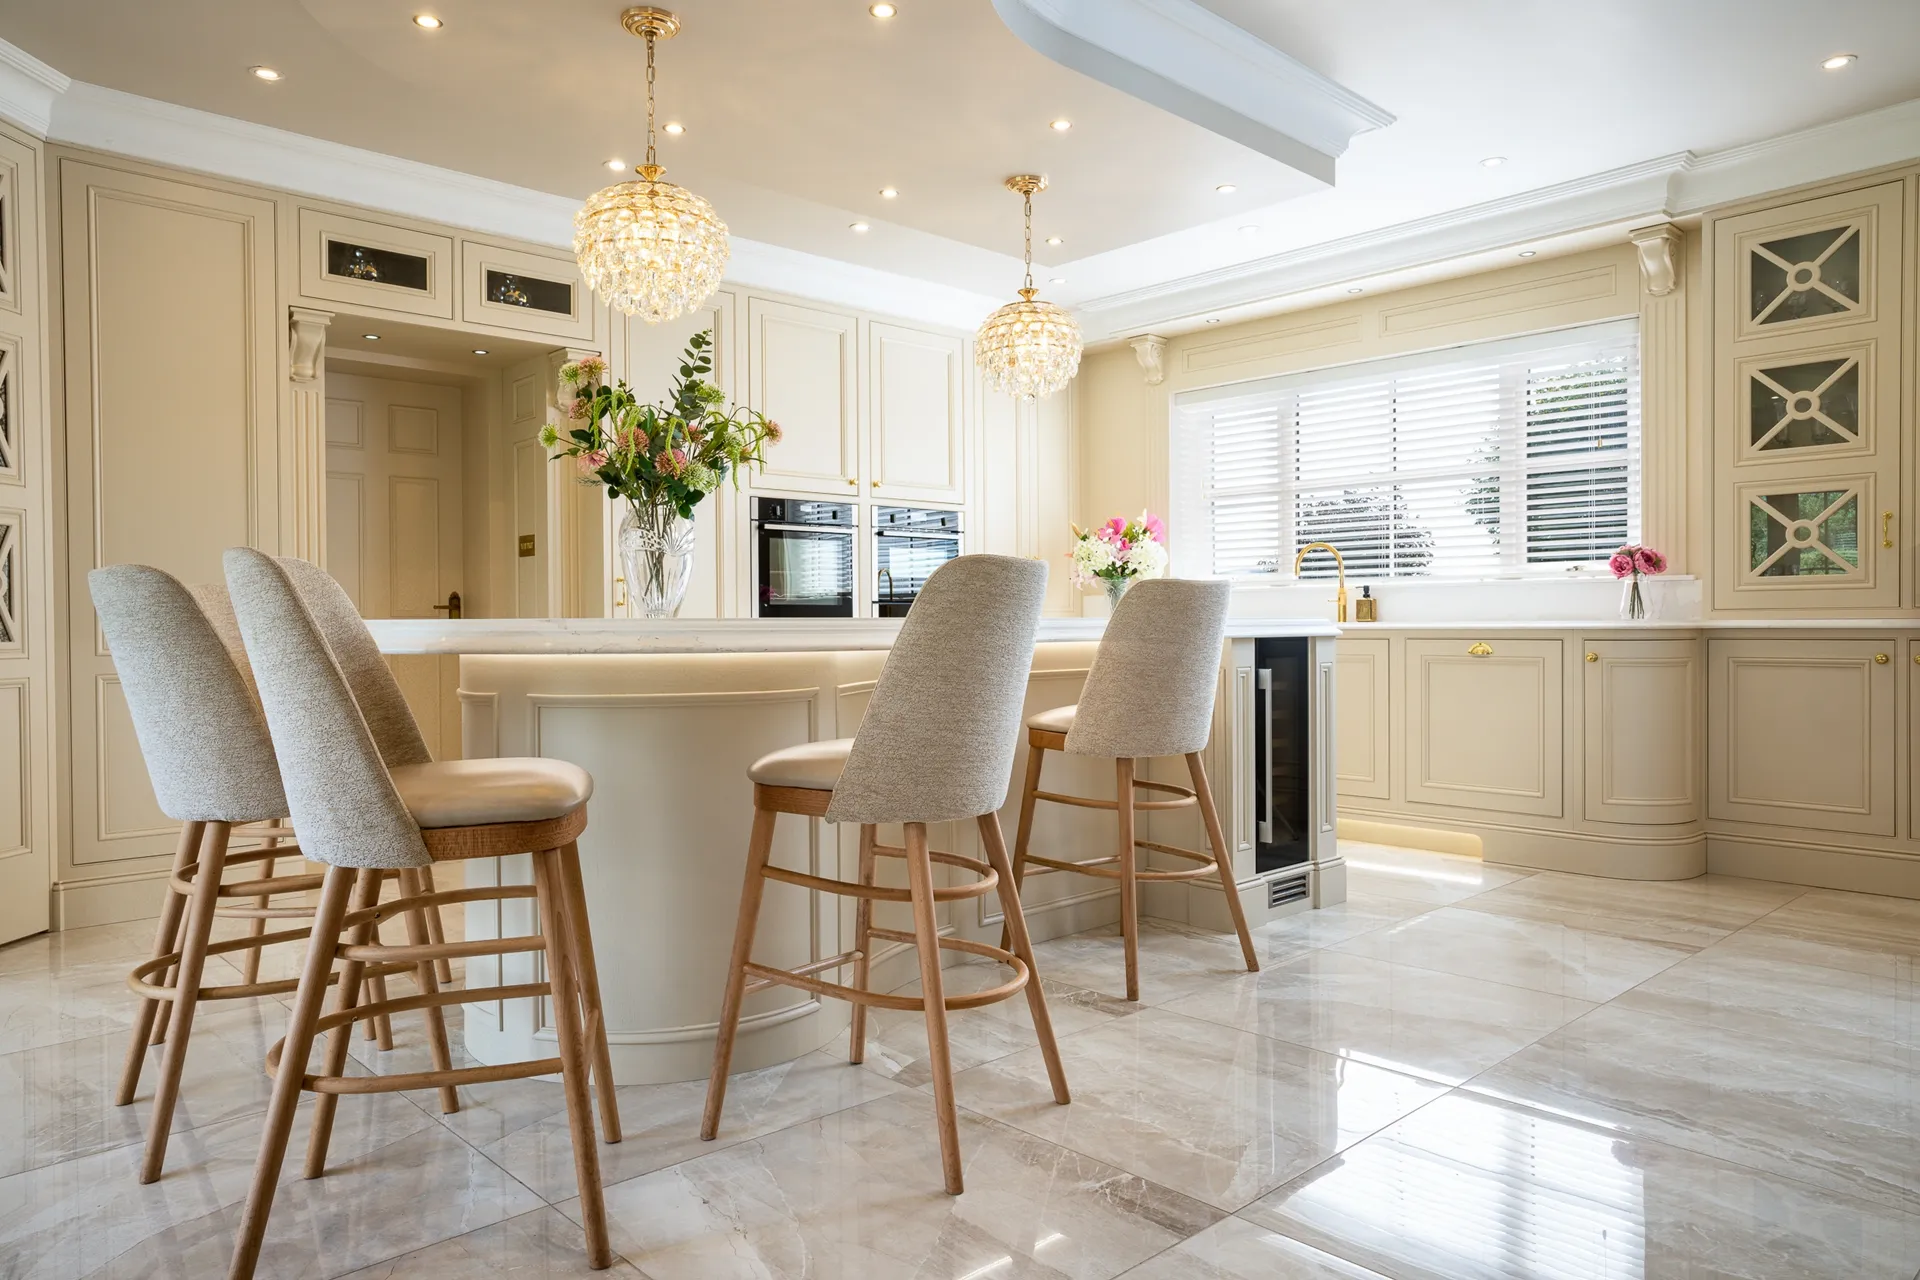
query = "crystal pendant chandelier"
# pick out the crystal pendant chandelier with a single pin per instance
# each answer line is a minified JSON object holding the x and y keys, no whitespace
{"x":650,"y":248}
{"x":1028,"y":348}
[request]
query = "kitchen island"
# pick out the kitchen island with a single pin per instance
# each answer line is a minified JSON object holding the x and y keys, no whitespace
{"x":667,"y":715}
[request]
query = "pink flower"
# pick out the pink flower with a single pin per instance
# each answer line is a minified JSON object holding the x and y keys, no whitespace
{"x":1152,"y":524}
{"x":1115,"y":530}
{"x":592,"y":460}
{"x":773,"y":432}
{"x":1621,"y":563}
{"x":672,"y":462}
{"x":633,"y":438}
{"x":1647,"y":560}
{"x":577,"y":408}
{"x":591,"y":368}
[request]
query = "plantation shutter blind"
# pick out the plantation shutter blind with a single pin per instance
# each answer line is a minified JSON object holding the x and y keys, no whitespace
{"x":1500,"y":459}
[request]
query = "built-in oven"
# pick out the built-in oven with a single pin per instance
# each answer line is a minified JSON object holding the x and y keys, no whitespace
{"x":909,"y":543}
{"x":802,"y":558}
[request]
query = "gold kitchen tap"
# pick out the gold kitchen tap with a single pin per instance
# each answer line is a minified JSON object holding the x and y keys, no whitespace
{"x":1340,"y":596}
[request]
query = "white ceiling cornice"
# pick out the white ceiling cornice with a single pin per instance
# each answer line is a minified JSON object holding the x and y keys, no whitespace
{"x":1188,"y":60}
{"x":28,"y":88}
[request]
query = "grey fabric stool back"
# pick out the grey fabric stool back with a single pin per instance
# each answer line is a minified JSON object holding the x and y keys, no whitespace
{"x":389,"y":718}
{"x":1151,"y":689}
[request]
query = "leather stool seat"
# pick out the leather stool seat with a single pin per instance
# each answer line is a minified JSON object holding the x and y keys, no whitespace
{"x":812,"y":766}
{"x":1054,"y":720}
{"x":484,"y":793}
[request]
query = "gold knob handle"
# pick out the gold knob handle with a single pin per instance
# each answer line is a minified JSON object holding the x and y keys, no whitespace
{"x":875,"y":483}
{"x":1880,"y":658}
{"x":1886,"y":528}
{"x":1480,"y":649}
{"x":854,"y":483}
{"x":1592,"y":656}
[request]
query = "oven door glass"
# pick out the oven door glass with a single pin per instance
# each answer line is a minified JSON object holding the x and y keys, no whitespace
{"x":806,"y":573}
{"x":902,"y":564}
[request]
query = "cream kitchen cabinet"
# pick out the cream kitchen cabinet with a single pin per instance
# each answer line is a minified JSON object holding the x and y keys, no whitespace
{"x":916,"y":439}
{"x":802,"y":371}
{"x":1484,"y":724}
{"x":375,"y":265}
{"x":1803,"y":733}
{"x":1361,"y":729}
{"x":1641,"y":708}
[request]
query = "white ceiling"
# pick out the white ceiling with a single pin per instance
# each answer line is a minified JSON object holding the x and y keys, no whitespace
{"x":798,"y":111}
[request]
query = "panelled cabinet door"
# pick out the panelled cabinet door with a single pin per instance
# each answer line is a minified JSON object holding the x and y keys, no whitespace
{"x":509,"y":289}
{"x":1807,"y":451}
{"x":917,"y":432}
{"x":1485,"y":724}
{"x":1360,"y":729}
{"x":1642,"y":702}
{"x":800,"y":373}
{"x":371,"y":264}
{"x":1802,"y":733}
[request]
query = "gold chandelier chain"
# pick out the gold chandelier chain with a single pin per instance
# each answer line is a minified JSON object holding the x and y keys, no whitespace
{"x":1029,"y":247}
{"x":650,"y":43}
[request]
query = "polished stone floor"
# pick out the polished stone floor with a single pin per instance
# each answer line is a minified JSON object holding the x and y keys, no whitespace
{"x":1463,"y":1072}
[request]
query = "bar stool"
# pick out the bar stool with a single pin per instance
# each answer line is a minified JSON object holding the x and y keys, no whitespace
{"x":1150,"y":693}
{"x":362,"y":819}
{"x":936,"y":746}
{"x":177,"y":653}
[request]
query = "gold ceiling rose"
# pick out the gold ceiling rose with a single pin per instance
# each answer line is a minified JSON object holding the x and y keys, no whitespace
{"x":648,"y":247}
{"x":1028,"y":348}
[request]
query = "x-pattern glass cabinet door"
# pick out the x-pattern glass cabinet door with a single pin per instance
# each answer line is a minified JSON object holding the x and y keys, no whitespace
{"x":1806,"y":367}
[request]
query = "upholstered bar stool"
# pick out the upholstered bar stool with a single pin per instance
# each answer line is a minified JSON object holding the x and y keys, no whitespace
{"x":1149,"y":693}
{"x":936,"y":746}
{"x":177,"y":652}
{"x":363,"y":819}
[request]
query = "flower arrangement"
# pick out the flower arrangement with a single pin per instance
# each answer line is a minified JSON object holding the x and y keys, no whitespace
{"x":1630,"y":563}
{"x":1119,"y":553}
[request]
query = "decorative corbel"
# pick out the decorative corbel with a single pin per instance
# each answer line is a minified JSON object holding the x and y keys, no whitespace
{"x":1659,"y":247}
{"x":1151,"y":350}
{"x":306,"y":338}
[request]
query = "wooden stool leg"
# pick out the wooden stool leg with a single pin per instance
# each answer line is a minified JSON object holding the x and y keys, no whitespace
{"x":436,"y":928}
{"x":759,"y":849}
{"x":1129,"y":886}
{"x":378,"y":1028}
{"x":549,"y":884}
{"x":926,"y":933}
{"x":250,"y":966}
{"x":366,"y":892}
{"x":193,"y":959}
{"x":165,"y":1013}
{"x":429,"y":985}
{"x":1024,"y":832}
{"x":996,"y":843}
{"x":862,"y":943}
{"x":1218,"y":839}
{"x":293,"y":1065}
{"x":580,"y":935}
{"x":172,"y":907}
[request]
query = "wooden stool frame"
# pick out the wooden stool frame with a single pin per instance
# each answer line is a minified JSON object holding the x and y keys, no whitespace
{"x":1122,"y":865}
{"x":345,"y":930}
{"x":744,"y":977}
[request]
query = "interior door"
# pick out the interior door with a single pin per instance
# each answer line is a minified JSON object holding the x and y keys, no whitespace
{"x":394,"y":507}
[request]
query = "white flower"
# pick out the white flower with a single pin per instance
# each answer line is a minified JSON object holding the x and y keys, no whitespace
{"x":1091,"y":557}
{"x":1146,"y":559}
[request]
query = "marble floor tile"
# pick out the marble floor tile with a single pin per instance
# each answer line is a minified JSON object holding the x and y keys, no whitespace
{"x":1174,"y":960}
{"x":1469,"y":1188}
{"x":523,"y":1124}
{"x":1840,"y":1113}
{"x":1235,"y":1249}
{"x":1862,"y":932}
{"x":534,"y":1246}
{"x":1286,"y":937}
{"x":1439,"y":1025}
{"x":1537,"y":954}
{"x":40,"y":1007}
{"x":1378,"y":871}
{"x":857,"y":1196}
{"x":1217,"y":1114}
{"x":124,"y":944}
{"x":897,"y":1038}
{"x":1690,"y":913}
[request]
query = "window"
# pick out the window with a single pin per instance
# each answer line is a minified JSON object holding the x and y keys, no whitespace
{"x":1512,"y":458}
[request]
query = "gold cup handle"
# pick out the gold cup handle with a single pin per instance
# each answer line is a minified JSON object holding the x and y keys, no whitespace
{"x":620,"y":593}
{"x":1480,"y":649}
{"x":1886,"y":528}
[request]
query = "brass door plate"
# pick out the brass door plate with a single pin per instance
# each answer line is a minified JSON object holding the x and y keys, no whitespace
{"x":526,"y":545}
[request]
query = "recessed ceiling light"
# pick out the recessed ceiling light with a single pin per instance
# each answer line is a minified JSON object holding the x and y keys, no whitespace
{"x":1355,"y":289}
{"x":1249,"y":230}
{"x":371,"y":337}
{"x":1528,"y":253}
{"x":1840,"y":60}
{"x":889,"y":193}
{"x":1493,"y":162}
{"x":1226,"y":188}
{"x":1053,"y":239}
{"x":882,"y":10}
{"x":860,"y":227}
{"x":1213,"y":319}
{"x":1061,"y":125}
{"x":264,"y":73}
{"x":479,"y":351}
{"x":674,"y":127}
{"x":1058,"y":280}
{"x":616,"y":164}
{"x":427,"y":22}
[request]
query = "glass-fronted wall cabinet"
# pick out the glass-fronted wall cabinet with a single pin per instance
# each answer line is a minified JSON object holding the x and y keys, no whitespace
{"x":1807,"y":452}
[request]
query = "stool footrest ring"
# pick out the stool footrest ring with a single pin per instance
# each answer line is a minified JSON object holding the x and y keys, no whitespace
{"x":803,"y":978}
{"x":988,"y":882}
{"x":421,"y":1079}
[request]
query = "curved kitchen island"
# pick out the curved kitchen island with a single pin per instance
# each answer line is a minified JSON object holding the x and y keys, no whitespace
{"x":667,"y":715}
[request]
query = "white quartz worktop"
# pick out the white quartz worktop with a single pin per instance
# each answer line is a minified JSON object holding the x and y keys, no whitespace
{"x":1620,"y":626}
{"x":722,"y":635}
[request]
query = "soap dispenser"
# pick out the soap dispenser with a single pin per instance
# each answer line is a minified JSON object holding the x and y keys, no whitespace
{"x":1366,"y":608}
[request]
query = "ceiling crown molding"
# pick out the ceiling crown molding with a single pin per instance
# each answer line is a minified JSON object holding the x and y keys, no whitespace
{"x":28,"y":88}
{"x":1188,"y":60}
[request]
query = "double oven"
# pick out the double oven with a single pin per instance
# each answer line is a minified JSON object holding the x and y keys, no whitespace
{"x":806,"y":556}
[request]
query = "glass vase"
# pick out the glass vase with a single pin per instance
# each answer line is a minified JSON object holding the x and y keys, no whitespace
{"x":1116,"y":587}
{"x":1633,"y":605}
{"x":656,"y":548}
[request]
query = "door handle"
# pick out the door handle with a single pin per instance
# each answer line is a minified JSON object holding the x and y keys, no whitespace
{"x":1265,"y":681}
{"x":620,"y":593}
{"x":1480,"y":649}
{"x":452,"y":607}
{"x":1886,"y":528}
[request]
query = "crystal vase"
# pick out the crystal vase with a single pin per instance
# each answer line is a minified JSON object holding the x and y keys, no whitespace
{"x":1116,"y":587}
{"x":1633,"y":605}
{"x":656,"y":548}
